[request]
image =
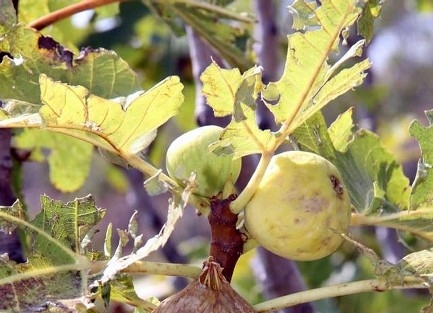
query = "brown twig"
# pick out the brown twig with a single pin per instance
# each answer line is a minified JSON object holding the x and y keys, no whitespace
{"x":227,"y":242}
{"x":68,"y":11}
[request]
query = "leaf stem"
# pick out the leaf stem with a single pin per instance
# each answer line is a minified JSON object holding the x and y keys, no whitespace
{"x":168,"y":269}
{"x":335,"y":291}
{"x":68,"y":11}
{"x":239,"y":203}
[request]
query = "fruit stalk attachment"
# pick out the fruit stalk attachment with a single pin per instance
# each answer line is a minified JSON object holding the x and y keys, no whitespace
{"x":226,"y":240}
{"x":210,"y":292}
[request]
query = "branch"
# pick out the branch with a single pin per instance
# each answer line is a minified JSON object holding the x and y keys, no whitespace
{"x":336,"y":291}
{"x":68,"y":11}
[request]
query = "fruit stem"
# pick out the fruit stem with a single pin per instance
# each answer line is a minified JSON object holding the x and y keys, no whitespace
{"x":149,"y":170}
{"x":227,"y":241}
{"x":240,"y":202}
{"x":336,"y":291}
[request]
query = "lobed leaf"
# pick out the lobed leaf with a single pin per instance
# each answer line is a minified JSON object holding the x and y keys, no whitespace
{"x":67,"y":222}
{"x":30,"y":54}
{"x":220,"y":87}
{"x":230,"y":93}
{"x":127,"y":127}
{"x":307,"y":83}
{"x":53,"y":270}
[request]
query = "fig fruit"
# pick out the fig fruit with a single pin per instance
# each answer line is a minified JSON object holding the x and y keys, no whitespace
{"x":210,"y":292}
{"x":300,"y":207}
{"x":190,"y":153}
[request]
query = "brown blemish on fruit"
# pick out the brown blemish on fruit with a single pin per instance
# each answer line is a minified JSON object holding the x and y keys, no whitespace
{"x":337,"y":186}
{"x":314,"y":204}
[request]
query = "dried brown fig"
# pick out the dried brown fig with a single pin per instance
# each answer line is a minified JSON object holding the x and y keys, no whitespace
{"x":210,"y":292}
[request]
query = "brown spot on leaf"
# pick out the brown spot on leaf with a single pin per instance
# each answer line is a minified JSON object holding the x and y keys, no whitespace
{"x":53,"y":50}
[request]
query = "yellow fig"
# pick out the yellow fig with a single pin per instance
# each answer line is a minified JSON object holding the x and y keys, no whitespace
{"x":300,"y":207}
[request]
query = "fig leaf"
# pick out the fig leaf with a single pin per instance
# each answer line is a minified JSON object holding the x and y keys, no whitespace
{"x":54,"y":263}
{"x":107,"y":124}
{"x":230,"y":93}
{"x":315,"y":84}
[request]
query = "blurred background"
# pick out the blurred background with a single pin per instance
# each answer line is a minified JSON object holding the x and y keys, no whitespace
{"x":398,"y":89}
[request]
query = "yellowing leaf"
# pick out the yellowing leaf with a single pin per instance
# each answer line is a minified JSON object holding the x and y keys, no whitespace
{"x":307,"y":83}
{"x":220,"y":87}
{"x":230,"y":93}
{"x":244,"y":137}
{"x":108,"y":124}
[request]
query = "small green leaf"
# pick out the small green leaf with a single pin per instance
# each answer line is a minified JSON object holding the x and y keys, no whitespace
{"x":421,"y":191}
{"x":133,"y":225}
{"x":370,"y":12}
{"x":154,"y":186}
{"x":15,"y":210}
{"x":418,"y":264}
{"x":88,"y":238}
{"x":107,"y":241}
{"x":123,"y":291}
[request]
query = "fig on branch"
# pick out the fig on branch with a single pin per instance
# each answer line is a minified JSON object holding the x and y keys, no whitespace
{"x":210,"y":292}
{"x":190,"y":153}
{"x":300,"y":207}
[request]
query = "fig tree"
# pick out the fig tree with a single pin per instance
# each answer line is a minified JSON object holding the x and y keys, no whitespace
{"x":300,"y":207}
{"x":190,"y":153}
